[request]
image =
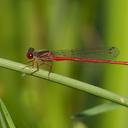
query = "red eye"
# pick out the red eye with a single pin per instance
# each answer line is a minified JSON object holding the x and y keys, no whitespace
{"x":29,"y":55}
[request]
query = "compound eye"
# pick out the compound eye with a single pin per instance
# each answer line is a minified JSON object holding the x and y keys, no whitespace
{"x":29,"y":55}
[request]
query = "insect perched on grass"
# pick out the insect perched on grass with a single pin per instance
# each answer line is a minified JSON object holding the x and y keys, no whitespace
{"x":82,"y":55}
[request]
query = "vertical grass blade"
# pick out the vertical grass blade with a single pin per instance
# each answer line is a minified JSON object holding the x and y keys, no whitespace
{"x":3,"y":123}
{"x":5,"y":117}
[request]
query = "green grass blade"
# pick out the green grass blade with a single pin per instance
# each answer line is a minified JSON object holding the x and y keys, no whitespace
{"x":100,"y":109}
{"x":6,"y":115}
{"x":3,"y":123}
{"x":66,"y":81}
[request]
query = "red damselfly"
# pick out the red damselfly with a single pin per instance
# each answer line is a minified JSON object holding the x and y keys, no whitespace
{"x":82,"y":55}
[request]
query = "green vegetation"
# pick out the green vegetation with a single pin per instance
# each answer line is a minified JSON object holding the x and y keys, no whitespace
{"x":59,"y":24}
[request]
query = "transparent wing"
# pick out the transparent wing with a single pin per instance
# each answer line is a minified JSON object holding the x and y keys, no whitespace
{"x":104,"y":53}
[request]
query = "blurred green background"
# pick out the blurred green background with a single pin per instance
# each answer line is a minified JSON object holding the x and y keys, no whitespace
{"x":62,"y":24}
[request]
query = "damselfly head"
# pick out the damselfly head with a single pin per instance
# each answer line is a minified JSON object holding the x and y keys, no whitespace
{"x":30,"y":53}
